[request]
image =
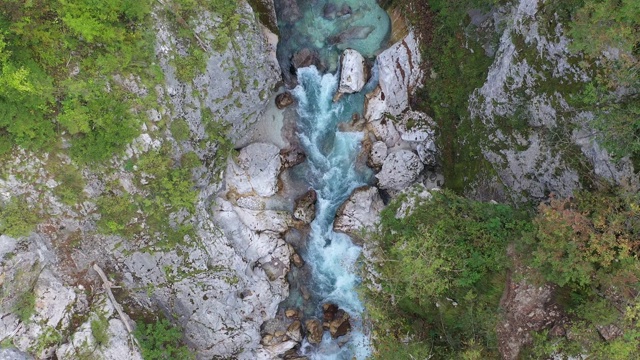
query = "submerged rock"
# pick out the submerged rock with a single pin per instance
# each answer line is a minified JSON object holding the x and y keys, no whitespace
{"x":284,"y":100}
{"x":294,"y":331}
{"x":352,"y":33}
{"x":289,"y":10}
{"x":314,"y":331}
{"x":340,"y":324}
{"x":329,"y":11}
{"x":305,"y":207}
{"x":305,"y":58}
{"x":292,"y":156}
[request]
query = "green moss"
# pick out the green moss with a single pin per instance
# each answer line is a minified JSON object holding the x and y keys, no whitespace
{"x":180,"y":130}
{"x":25,"y":306}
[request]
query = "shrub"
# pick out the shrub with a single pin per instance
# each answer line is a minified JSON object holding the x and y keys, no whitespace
{"x":25,"y":306}
{"x":161,"y":341}
{"x":581,"y":241}
{"x":17,"y":218}
{"x":100,"y":329}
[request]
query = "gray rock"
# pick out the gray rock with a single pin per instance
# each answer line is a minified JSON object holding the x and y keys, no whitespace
{"x":399,"y":170}
{"x":360,"y":212}
{"x":384,"y":130}
{"x":7,"y":245}
{"x":416,"y":195}
{"x":53,"y":300}
{"x":305,"y":207}
{"x":269,"y":10}
{"x":236,"y":83}
{"x":263,"y":220}
{"x":374,"y":105}
{"x":377,"y":154}
{"x":14,"y":354}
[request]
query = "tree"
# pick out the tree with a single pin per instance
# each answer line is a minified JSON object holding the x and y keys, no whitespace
{"x":442,"y":272}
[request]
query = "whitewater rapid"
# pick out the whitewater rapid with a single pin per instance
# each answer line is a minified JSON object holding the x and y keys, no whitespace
{"x":333,"y":172}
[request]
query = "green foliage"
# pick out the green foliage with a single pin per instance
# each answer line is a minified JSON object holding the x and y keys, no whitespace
{"x":181,"y":12}
{"x":117,"y":211}
{"x":459,"y":65}
{"x":101,"y":121}
{"x":47,"y":338}
{"x":99,"y":329}
{"x":16,"y":218}
{"x":169,"y":186}
{"x":161,"y":341}
{"x":190,"y":160}
{"x":25,"y":96}
{"x":217,"y":131}
{"x":70,"y":183}
{"x":589,"y":246}
{"x":443,"y":273}
{"x":612,"y":26}
{"x":190,"y":65}
{"x":601,"y":24}
{"x":76,"y":55}
{"x":25,"y":306}
{"x":583,"y":242}
{"x":168,"y":190}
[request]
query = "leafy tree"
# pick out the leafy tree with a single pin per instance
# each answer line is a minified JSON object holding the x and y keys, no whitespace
{"x":580,"y":242}
{"x":589,"y":246}
{"x":442,"y":273}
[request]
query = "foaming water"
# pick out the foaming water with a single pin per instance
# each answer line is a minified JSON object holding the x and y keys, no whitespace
{"x":332,"y":170}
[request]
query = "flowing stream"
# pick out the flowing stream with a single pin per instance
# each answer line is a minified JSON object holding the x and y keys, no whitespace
{"x":331,"y":169}
{"x":325,"y":28}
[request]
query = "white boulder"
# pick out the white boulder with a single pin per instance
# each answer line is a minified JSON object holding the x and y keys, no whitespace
{"x":361,"y":211}
{"x":399,"y":170}
{"x":353,"y":73}
{"x":399,"y":74}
